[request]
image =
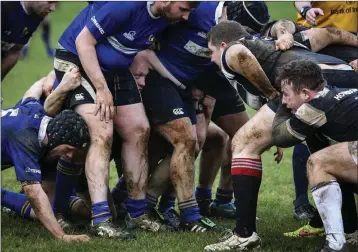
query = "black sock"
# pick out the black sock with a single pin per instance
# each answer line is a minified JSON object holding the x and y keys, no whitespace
{"x":246,"y":178}
{"x":299,"y":160}
{"x":349,"y":208}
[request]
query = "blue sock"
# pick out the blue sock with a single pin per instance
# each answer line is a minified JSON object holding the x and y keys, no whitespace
{"x":203,"y":194}
{"x":223,"y":196}
{"x":17,"y":202}
{"x":166,"y":202}
{"x":66,"y":178}
{"x":100,"y":212}
{"x":152,"y":201}
{"x":46,"y":35}
{"x":189,"y":211}
{"x":136,"y":207}
{"x":119,"y":192}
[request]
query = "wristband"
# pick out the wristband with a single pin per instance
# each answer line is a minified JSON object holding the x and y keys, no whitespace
{"x":304,"y":10}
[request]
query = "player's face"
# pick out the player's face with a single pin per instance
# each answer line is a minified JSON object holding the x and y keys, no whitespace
{"x":292,"y":99}
{"x":215,"y":53}
{"x":176,"y":11}
{"x":42,"y":9}
{"x":139,"y":70}
{"x":64,"y":151}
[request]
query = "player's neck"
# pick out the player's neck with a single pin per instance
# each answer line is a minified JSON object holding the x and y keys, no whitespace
{"x":26,"y":5}
{"x":155,"y":8}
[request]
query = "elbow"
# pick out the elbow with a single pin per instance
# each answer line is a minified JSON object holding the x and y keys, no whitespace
{"x":278,"y":140}
{"x":32,"y":191}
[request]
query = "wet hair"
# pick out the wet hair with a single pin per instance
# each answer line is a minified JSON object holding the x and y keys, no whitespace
{"x":68,"y":127}
{"x":302,"y":74}
{"x":253,"y":14}
{"x":226,"y":31}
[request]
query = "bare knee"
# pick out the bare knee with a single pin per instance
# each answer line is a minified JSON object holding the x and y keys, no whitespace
{"x":218,"y":139}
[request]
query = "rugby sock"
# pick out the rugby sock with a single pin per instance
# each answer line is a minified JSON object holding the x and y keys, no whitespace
{"x":16,"y":202}
{"x":66,"y":179}
{"x":46,"y":38}
{"x":119,"y":192}
{"x":152,"y":201}
{"x":166,"y":202}
{"x":328,"y":199}
{"x":299,"y":160}
{"x":246,"y":177}
{"x":100,"y":212}
{"x":203,"y":194}
{"x":349,"y":208}
{"x":136,"y":207}
{"x":223,"y":196}
{"x":189,"y":211}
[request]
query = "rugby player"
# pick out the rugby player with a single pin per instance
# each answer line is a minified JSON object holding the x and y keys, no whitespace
{"x":30,"y":137}
{"x":255,"y":136}
{"x":19,"y":20}
{"x":183,"y":59}
{"x":310,"y":107}
{"x":102,"y":41}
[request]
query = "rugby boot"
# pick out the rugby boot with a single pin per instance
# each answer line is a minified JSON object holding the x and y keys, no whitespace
{"x":169,"y":217}
{"x":233,"y":242}
{"x":306,"y":231}
{"x":226,"y":211}
{"x":304,"y":212}
{"x":144,"y":222}
{"x":107,"y":229}
{"x":346,"y":248}
{"x":201,"y":225}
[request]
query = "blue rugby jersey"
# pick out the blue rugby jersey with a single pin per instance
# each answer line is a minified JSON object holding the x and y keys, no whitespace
{"x":121,"y":29}
{"x":23,"y":128}
{"x":183,"y":47}
{"x":17,"y":27}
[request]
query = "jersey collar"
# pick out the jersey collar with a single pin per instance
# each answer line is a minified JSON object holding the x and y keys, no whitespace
{"x":42,"y":130}
{"x":23,"y":6}
{"x":149,"y":3}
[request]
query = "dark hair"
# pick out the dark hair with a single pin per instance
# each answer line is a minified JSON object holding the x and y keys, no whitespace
{"x":68,"y":127}
{"x":253,"y":14}
{"x":302,"y":74}
{"x":194,"y":4}
{"x":226,"y":31}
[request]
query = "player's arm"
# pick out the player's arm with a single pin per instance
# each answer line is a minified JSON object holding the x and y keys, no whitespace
{"x":307,"y":12}
{"x":10,"y":60}
{"x":289,"y":130}
{"x":104,"y":23}
{"x":54,"y":102}
{"x":28,"y":172}
{"x":283,"y":30}
{"x":242,"y":61}
{"x":35,"y":91}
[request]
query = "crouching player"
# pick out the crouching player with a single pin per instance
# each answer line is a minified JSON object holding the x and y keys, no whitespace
{"x":28,"y":138}
{"x":310,"y":107}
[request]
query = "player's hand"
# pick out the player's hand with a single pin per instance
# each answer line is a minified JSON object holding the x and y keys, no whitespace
{"x":273,"y":94}
{"x":354,"y":64}
{"x":285,"y":42}
{"x":312,"y":14}
{"x":104,"y":104}
{"x":209,"y":101}
{"x":71,"y":79}
{"x":75,"y":238}
{"x":278,"y":154}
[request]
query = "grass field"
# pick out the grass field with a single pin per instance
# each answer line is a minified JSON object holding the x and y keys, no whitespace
{"x":276,"y":195}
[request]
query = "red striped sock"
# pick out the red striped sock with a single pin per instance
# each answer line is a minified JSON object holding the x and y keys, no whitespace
{"x":246,"y":167}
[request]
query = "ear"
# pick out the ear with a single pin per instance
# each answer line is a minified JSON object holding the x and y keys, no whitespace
{"x":306,"y":94}
{"x":223,"y":44}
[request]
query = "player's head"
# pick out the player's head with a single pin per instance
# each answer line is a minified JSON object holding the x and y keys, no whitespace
{"x":253,"y":14}
{"x":221,"y":35}
{"x":41,"y":8}
{"x":300,"y":80}
{"x":176,"y":11}
{"x":67,"y":132}
{"x":140,"y":68}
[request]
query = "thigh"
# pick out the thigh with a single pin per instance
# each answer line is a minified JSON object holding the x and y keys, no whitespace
{"x":165,"y":103}
{"x":255,"y":136}
{"x":338,"y":160}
